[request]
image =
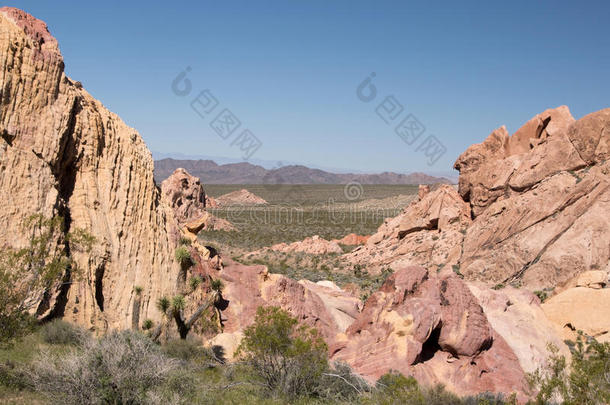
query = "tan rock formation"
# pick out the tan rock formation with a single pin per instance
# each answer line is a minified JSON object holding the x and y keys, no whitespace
{"x":580,"y":309}
{"x":517,"y":316}
{"x":185,"y":195}
{"x":323,"y":306}
{"x":314,"y":245}
{"x":539,"y":199}
{"x":63,"y":153}
{"x":239,"y":197}
{"x":429,"y":232}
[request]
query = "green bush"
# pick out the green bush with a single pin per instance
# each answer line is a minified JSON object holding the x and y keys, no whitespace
{"x":586,"y":380}
{"x":59,"y":332}
{"x":288,"y":359}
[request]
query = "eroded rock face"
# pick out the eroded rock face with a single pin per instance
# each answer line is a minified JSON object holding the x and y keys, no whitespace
{"x":429,"y":233}
{"x":185,"y":195}
{"x":63,"y":153}
{"x":550,"y":222}
{"x":325,"y":307}
{"x":433,"y":328}
{"x":531,"y":208}
{"x":352,"y":239}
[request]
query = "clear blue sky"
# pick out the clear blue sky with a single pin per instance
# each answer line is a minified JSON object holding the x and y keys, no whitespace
{"x":289,"y":70}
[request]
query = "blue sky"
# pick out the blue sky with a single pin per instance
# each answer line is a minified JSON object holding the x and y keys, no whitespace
{"x":289,"y":71}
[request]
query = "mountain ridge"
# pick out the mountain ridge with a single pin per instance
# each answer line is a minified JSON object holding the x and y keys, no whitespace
{"x":246,"y":173}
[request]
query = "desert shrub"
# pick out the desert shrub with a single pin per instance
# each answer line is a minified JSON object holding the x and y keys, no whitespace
{"x":288,"y":359}
{"x":185,"y":241}
{"x":13,"y":376}
{"x":217,"y":285}
{"x":59,"y":332}
{"x":341,"y":384}
{"x":585,"y":381}
{"x":394,"y":388}
{"x":147,"y":324}
{"x":163,"y":304}
{"x":120,"y":368}
{"x":186,"y":350}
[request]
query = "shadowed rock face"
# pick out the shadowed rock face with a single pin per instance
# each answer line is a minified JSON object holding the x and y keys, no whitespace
{"x":63,"y":153}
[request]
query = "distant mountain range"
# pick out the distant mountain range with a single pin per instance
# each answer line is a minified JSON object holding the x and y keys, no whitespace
{"x":246,"y":173}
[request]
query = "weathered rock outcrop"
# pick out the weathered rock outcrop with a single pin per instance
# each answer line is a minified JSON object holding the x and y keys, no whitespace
{"x":63,"y":153}
{"x":321,"y":305}
{"x":433,"y":328}
{"x":185,"y":195}
{"x":531,"y":209}
{"x":583,"y":308}
{"x":352,"y":239}
{"x":429,"y":232}
{"x":314,"y":245}
{"x":540,"y":200}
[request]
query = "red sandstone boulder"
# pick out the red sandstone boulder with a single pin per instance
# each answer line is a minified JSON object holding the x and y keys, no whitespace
{"x":431,"y":327}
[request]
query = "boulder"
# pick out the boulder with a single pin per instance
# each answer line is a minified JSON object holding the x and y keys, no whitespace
{"x":580,"y":309}
{"x":592,"y":279}
{"x":431,"y":327}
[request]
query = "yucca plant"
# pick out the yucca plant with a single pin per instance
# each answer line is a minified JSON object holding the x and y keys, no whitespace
{"x":138,"y":290}
{"x":178,"y":303}
{"x":195,"y":282}
{"x":163,"y":304}
{"x":183,"y":256}
{"x":217,"y":285}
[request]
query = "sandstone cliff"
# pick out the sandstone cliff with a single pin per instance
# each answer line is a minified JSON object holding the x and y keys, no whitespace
{"x":63,"y":153}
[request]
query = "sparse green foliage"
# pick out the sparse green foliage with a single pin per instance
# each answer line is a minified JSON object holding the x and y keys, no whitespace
{"x":586,"y":380}
{"x":216,"y":285}
{"x":195,"y":282}
{"x":163,"y":304}
{"x":138,"y":289}
{"x":542,"y":295}
{"x":185,"y":241}
{"x":120,"y":368}
{"x":183,"y":256}
{"x":287,"y":358}
{"x":62,"y":332}
{"x":28,"y":273}
{"x":147,"y":324}
{"x":178,"y":303}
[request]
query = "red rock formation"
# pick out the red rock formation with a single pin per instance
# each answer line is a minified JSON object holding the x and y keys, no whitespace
{"x":352,"y":240}
{"x":433,"y":328}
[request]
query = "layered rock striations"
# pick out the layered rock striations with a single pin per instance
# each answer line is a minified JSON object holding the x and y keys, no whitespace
{"x":63,"y":153}
{"x":531,"y":208}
